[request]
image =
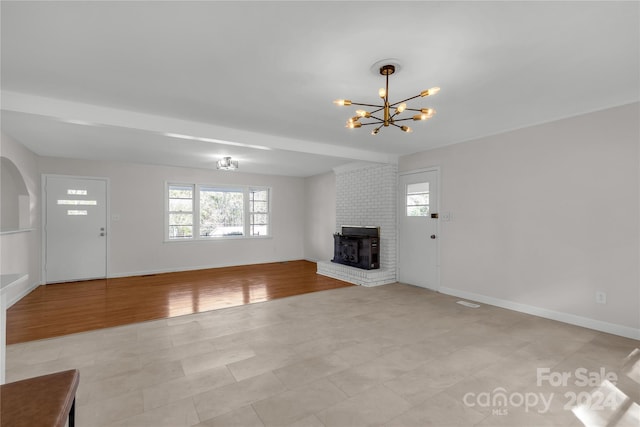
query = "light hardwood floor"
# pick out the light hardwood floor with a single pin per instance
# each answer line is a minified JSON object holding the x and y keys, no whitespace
{"x":67,"y":308}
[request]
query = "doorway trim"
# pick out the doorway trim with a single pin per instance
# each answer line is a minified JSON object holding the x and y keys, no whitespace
{"x":399,"y":197}
{"x":43,"y":219}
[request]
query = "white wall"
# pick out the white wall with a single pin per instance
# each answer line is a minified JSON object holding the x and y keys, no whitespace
{"x":20,"y":252}
{"x":320,"y":216}
{"x":544,"y":217}
{"x":138,"y":196}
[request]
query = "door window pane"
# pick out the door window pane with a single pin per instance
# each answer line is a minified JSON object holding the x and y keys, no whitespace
{"x":417,"y":199}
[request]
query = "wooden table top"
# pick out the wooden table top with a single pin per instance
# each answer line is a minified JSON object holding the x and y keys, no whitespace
{"x":39,"y":401}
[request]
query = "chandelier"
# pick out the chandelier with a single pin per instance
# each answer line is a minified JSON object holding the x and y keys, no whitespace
{"x":227,"y":164}
{"x":390,"y":112}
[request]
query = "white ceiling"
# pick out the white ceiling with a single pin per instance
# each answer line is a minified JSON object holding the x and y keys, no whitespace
{"x":261,"y":76}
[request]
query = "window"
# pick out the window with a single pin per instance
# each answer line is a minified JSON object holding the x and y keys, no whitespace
{"x":201,"y":212}
{"x":417,"y":201}
{"x":221,"y":212}
{"x":258,"y":212}
{"x":180,"y":211}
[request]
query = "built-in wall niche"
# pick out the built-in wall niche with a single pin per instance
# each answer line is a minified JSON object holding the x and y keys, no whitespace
{"x":14,"y":199}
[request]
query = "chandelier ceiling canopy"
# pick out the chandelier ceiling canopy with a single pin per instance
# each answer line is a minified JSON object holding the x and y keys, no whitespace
{"x":388,"y":113}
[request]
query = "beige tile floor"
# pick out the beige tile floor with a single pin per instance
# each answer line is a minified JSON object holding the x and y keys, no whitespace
{"x":393,"y":355}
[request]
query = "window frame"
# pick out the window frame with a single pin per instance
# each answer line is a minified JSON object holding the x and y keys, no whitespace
{"x":246,"y":225}
{"x":250,"y":213}
{"x":168,"y":212}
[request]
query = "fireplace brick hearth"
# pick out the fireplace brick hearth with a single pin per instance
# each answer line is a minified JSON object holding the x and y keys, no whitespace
{"x":357,"y":276}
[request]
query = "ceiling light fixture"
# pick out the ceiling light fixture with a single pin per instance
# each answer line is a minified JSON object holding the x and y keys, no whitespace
{"x":226,"y":164}
{"x":390,"y":111}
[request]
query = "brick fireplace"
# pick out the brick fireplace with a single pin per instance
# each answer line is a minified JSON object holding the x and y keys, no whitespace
{"x":366,"y":195}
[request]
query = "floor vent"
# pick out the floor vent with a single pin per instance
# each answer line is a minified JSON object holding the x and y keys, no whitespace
{"x":468,"y":304}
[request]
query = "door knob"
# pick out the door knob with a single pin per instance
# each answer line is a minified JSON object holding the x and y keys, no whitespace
{"x":433,"y":236}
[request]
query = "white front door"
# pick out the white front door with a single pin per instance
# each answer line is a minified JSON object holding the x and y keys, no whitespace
{"x":418,"y":229}
{"x":75,"y":228}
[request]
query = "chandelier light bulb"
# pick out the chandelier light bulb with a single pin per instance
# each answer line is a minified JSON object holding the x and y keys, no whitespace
{"x":363,"y":113}
{"x":406,"y":129}
{"x":431,"y":91}
{"x":353,"y":124}
{"x":342,"y":102}
{"x":375,"y":131}
{"x":425,"y":114}
{"x":401,"y":107}
{"x":382,"y":92}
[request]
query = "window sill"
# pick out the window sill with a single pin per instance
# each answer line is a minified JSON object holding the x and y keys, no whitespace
{"x":217,"y":239}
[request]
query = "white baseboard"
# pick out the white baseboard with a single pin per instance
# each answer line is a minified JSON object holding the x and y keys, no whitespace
{"x":598,"y":325}
{"x":17,"y":290}
{"x":23,"y":293}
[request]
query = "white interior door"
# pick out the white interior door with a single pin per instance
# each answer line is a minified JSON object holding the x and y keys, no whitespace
{"x":418,"y":229}
{"x":75,"y":229}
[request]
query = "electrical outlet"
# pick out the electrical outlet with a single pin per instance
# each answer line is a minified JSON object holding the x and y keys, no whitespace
{"x":601,"y":297}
